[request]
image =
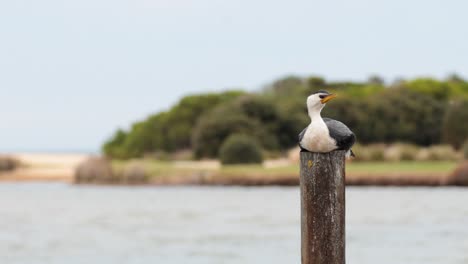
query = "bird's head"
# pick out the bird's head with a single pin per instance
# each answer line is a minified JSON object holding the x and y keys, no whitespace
{"x":317,"y":100}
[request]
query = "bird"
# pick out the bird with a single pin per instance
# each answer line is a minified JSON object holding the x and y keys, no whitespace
{"x":324,"y":134}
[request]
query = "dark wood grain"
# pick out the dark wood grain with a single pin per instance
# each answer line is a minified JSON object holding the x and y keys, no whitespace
{"x":322,"y":184}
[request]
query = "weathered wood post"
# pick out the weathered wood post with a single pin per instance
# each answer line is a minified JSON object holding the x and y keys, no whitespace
{"x":323,"y":207}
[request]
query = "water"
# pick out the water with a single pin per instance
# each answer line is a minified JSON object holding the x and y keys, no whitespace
{"x":59,"y":223}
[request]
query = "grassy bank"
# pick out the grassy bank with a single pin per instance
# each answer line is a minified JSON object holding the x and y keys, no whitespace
{"x":357,"y":173}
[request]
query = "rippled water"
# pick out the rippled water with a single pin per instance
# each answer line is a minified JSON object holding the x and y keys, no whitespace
{"x":58,"y":223}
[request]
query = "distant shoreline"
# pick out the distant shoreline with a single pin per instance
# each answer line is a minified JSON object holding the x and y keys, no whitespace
{"x":61,"y":168}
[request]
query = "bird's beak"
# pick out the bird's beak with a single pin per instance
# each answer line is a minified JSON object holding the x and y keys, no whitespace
{"x":328,"y":98}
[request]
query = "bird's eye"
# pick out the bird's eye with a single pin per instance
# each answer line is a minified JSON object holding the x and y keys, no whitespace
{"x":322,"y":96}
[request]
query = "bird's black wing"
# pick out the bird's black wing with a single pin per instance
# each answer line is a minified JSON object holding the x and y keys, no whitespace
{"x":301,"y":136}
{"x":343,"y":136}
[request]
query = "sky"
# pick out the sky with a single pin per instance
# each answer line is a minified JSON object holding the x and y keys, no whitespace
{"x":72,"y":72}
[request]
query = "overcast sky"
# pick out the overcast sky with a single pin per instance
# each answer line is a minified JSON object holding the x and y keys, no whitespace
{"x":71,"y":72}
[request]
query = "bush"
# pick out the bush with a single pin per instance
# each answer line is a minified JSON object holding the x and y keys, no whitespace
{"x":185,"y":154}
{"x":8,"y":163}
{"x":460,"y":175}
{"x":214,"y":129}
{"x":246,"y":115}
{"x":401,"y":151}
{"x":240,"y":149}
{"x":134,"y":173}
{"x":409,"y":152}
{"x":438,"y":153}
{"x":404,"y":152}
{"x":94,"y":170}
{"x":373,"y":152}
{"x":158,"y":155}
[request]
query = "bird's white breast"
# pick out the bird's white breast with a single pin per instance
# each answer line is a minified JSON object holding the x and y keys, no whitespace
{"x":317,"y":138}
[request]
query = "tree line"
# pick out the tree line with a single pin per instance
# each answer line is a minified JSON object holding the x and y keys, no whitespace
{"x":421,"y":111}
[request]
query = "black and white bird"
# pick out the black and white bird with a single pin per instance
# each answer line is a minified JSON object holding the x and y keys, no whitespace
{"x":324,"y":134}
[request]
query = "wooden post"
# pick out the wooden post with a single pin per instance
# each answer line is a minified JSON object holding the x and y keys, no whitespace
{"x":323,"y":207}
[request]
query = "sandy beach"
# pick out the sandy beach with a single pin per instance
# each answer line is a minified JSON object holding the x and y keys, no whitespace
{"x":44,"y":167}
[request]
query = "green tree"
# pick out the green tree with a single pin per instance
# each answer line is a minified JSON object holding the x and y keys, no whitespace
{"x":114,"y":146}
{"x":410,"y":111}
{"x":316,"y":83}
{"x":390,"y":116}
{"x":185,"y":114}
{"x":293,"y":118}
{"x":375,"y":80}
{"x":436,"y":89}
{"x":455,"y":128}
{"x":252,"y":115}
{"x":166,"y":131}
{"x":286,"y":86}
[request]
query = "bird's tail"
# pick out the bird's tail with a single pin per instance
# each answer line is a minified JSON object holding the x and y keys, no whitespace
{"x":350,"y":153}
